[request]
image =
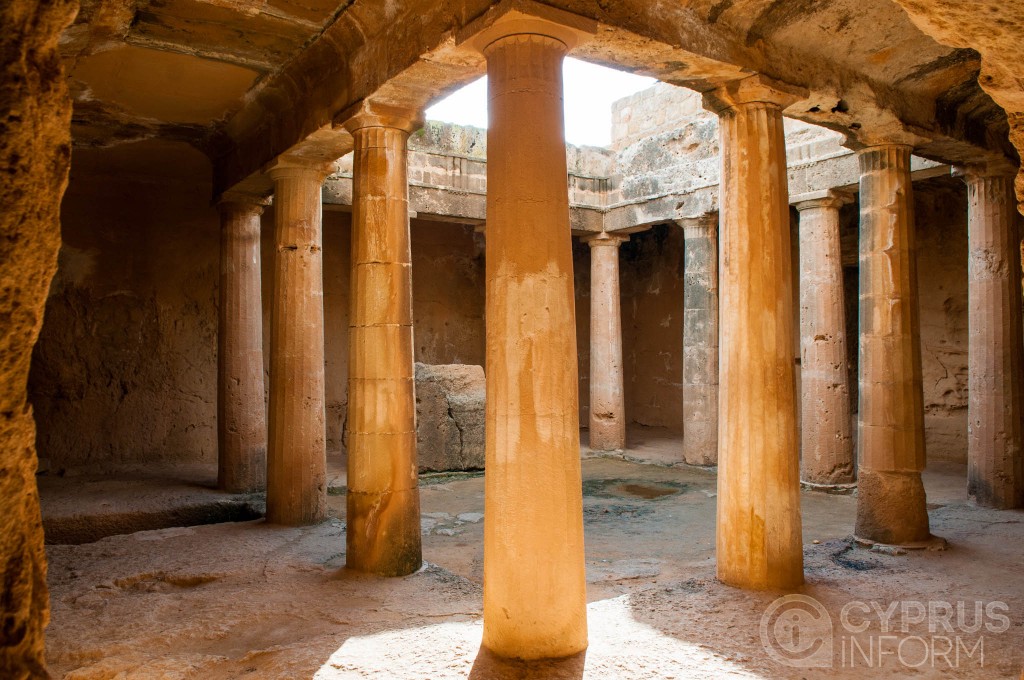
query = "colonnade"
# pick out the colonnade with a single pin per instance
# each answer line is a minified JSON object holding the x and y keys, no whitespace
{"x":740,"y":400}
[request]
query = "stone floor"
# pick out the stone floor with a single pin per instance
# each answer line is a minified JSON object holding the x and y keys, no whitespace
{"x":247,"y":600}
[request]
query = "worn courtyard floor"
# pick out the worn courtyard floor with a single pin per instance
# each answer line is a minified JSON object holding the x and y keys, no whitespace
{"x":249,"y":600}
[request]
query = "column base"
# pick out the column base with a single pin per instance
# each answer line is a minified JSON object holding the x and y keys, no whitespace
{"x":836,"y":489}
{"x":383,"y":536}
{"x":782,"y":579}
{"x":297,"y":518}
{"x":930,"y":543}
{"x":490,"y":664}
{"x":611,"y":438}
{"x":700,"y":443}
{"x":891,"y":508}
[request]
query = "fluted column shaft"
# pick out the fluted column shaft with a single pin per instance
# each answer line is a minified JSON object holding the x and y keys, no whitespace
{"x":534,"y":580}
{"x":296,"y":454}
{"x":607,"y":405}
{"x":826,"y":433}
{"x":891,"y":504}
{"x":700,"y":340}
{"x":383,"y":521}
{"x":995,"y":464}
{"x":241,"y":409}
{"x":759,"y":528}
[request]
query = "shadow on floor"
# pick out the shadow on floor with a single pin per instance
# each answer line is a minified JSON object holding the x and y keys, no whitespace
{"x":488,"y":666}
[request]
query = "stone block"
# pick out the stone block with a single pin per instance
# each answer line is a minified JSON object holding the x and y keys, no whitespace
{"x":450,"y":417}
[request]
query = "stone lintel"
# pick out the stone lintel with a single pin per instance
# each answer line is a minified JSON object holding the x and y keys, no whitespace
{"x":289,"y":165}
{"x":706,"y":221}
{"x":826,"y":198}
{"x":366,"y":113}
{"x":240,"y":198}
{"x":518,"y":17}
{"x":752,"y":89}
{"x":998,"y":167}
{"x":891,"y":134}
{"x":604,"y":239}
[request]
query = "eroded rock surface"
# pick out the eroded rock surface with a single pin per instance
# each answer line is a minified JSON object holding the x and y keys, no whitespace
{"x":35,"y":149}
{"x":450,"y":417}
{"x":994,"y":29}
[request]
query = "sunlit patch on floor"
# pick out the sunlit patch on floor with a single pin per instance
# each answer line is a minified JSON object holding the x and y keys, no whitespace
{"x":620,"y":647}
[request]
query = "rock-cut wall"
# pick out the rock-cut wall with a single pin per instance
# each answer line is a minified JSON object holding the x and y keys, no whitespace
{"x":35,"y":149}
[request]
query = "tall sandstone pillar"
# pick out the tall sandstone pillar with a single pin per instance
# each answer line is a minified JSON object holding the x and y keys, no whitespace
{"x":759,"y":532}
{"x":995,"y":462}
{"x":826,"y":433}
{"x":607,"y":406}
{"x":241,"y":409}
{"x":700,"y":340}
{"x":383,"y":528}
{"x":534,"y":580}
{"x":296,"y":451}
{"x":890,"y":498}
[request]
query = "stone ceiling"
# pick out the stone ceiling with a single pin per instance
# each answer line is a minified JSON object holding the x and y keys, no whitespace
{"x":245,"y":81}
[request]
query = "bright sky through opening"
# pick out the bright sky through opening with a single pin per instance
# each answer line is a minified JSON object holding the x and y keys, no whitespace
{"x":589,"y":92}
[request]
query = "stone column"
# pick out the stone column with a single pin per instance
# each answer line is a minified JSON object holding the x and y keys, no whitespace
{"x":383,"y":526}
{"x":826,"y":433}
{"x":534,"y":579}
{"x":241,"y":409}
{"x":700,"y":340}
{"x":890,"y":442}
{"x":607,"y":407}
{"x":758,"y":536}
{"x":296,"y":451}
{"x":995,"y":462}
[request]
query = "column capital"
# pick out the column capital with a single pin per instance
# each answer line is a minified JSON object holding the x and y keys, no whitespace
{"x":604,"y":238}
{"x":707,"y":221}
{"x":752,"y":89}
{"x":287,"y":165}
{"x":972,"y":172}
{"x":526,"y":17}
{"x":237,"y":200}
{"x":828,"y":198}
{"x":370,"y":114}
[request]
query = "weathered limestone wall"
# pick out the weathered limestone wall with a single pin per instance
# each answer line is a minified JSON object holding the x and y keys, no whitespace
{"x":450,"y":402}
{"x":941,"y":210}
{"x":125,"y":370}
{"x":993,"y":28}
{"x":126,"y":365}
{"x":651,"y":266}
{"x":447,"y":293}
{"x":665,"y":143}
{"x":448,"y":302}
{"x":35,"y":148}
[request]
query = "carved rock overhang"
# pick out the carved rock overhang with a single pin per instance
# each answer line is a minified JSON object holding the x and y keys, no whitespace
{"x":247,"y":81}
